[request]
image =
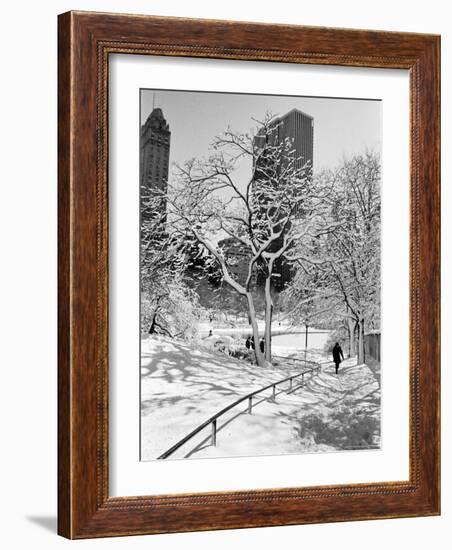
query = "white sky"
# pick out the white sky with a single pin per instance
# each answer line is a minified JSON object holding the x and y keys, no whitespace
{"x":342,"y":127}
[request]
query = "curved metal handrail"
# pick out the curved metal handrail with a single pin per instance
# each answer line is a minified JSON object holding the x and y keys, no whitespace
{"x":213,"y":419}
{"x":295,"y":359}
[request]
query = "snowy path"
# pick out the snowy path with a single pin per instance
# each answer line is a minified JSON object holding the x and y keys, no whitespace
{"x":182,"y":387}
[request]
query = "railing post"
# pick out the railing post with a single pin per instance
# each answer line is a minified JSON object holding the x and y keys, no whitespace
{"x":290,"y":383}
{"x":302,"y":379}
{"x":274,"y":392}
{"x":214,"y":432}
{"x":250,"y":404}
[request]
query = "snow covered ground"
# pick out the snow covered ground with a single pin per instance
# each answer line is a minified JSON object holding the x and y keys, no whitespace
{"x":279,"y":329}
{"x":182,"y":386}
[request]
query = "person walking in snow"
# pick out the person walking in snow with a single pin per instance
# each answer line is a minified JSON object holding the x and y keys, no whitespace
{"x":338,"y":355}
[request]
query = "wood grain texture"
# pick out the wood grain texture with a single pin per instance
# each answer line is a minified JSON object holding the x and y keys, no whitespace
{"x":85,"y":42}
{"x":64,"y":295}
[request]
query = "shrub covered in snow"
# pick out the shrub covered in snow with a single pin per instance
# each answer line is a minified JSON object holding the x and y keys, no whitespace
{"x":342,"y":429}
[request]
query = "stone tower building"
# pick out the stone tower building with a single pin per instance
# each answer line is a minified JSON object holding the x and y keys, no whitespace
{"x":154,"y":157}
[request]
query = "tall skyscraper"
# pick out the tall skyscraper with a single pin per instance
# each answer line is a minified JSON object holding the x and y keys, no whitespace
{"x":299,"y":127}
{"x":296,"y":125}
{"x":154,"y":160}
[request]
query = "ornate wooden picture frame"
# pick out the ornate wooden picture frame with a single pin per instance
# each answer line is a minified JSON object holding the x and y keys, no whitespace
{"x":86,"y":41}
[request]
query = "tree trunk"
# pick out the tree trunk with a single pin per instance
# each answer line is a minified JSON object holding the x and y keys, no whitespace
{"x":351,"y":326}
{"x":152,"y":327}
{"x":268,"y":321}
{"x":363,"y":352}
{"x":361,"y":357}
{"x":260,"y":360}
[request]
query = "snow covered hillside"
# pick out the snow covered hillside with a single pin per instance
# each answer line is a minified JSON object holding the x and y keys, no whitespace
{"x":182,"y":386}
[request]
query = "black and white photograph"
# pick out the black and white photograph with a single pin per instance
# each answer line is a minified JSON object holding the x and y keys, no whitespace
{"x":260,"y":246}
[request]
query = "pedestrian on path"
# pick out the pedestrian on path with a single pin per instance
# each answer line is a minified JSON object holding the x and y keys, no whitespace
{"x":249,"y":342}
{"x":338,"y":355}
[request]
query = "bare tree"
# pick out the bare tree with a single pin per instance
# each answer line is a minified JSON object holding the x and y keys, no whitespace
{"x":341,"y":279}
{"x":260,"y":219}
{"x":168,"y":305}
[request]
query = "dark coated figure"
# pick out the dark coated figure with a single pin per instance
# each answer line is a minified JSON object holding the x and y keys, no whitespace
{"x":338,"y":355}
